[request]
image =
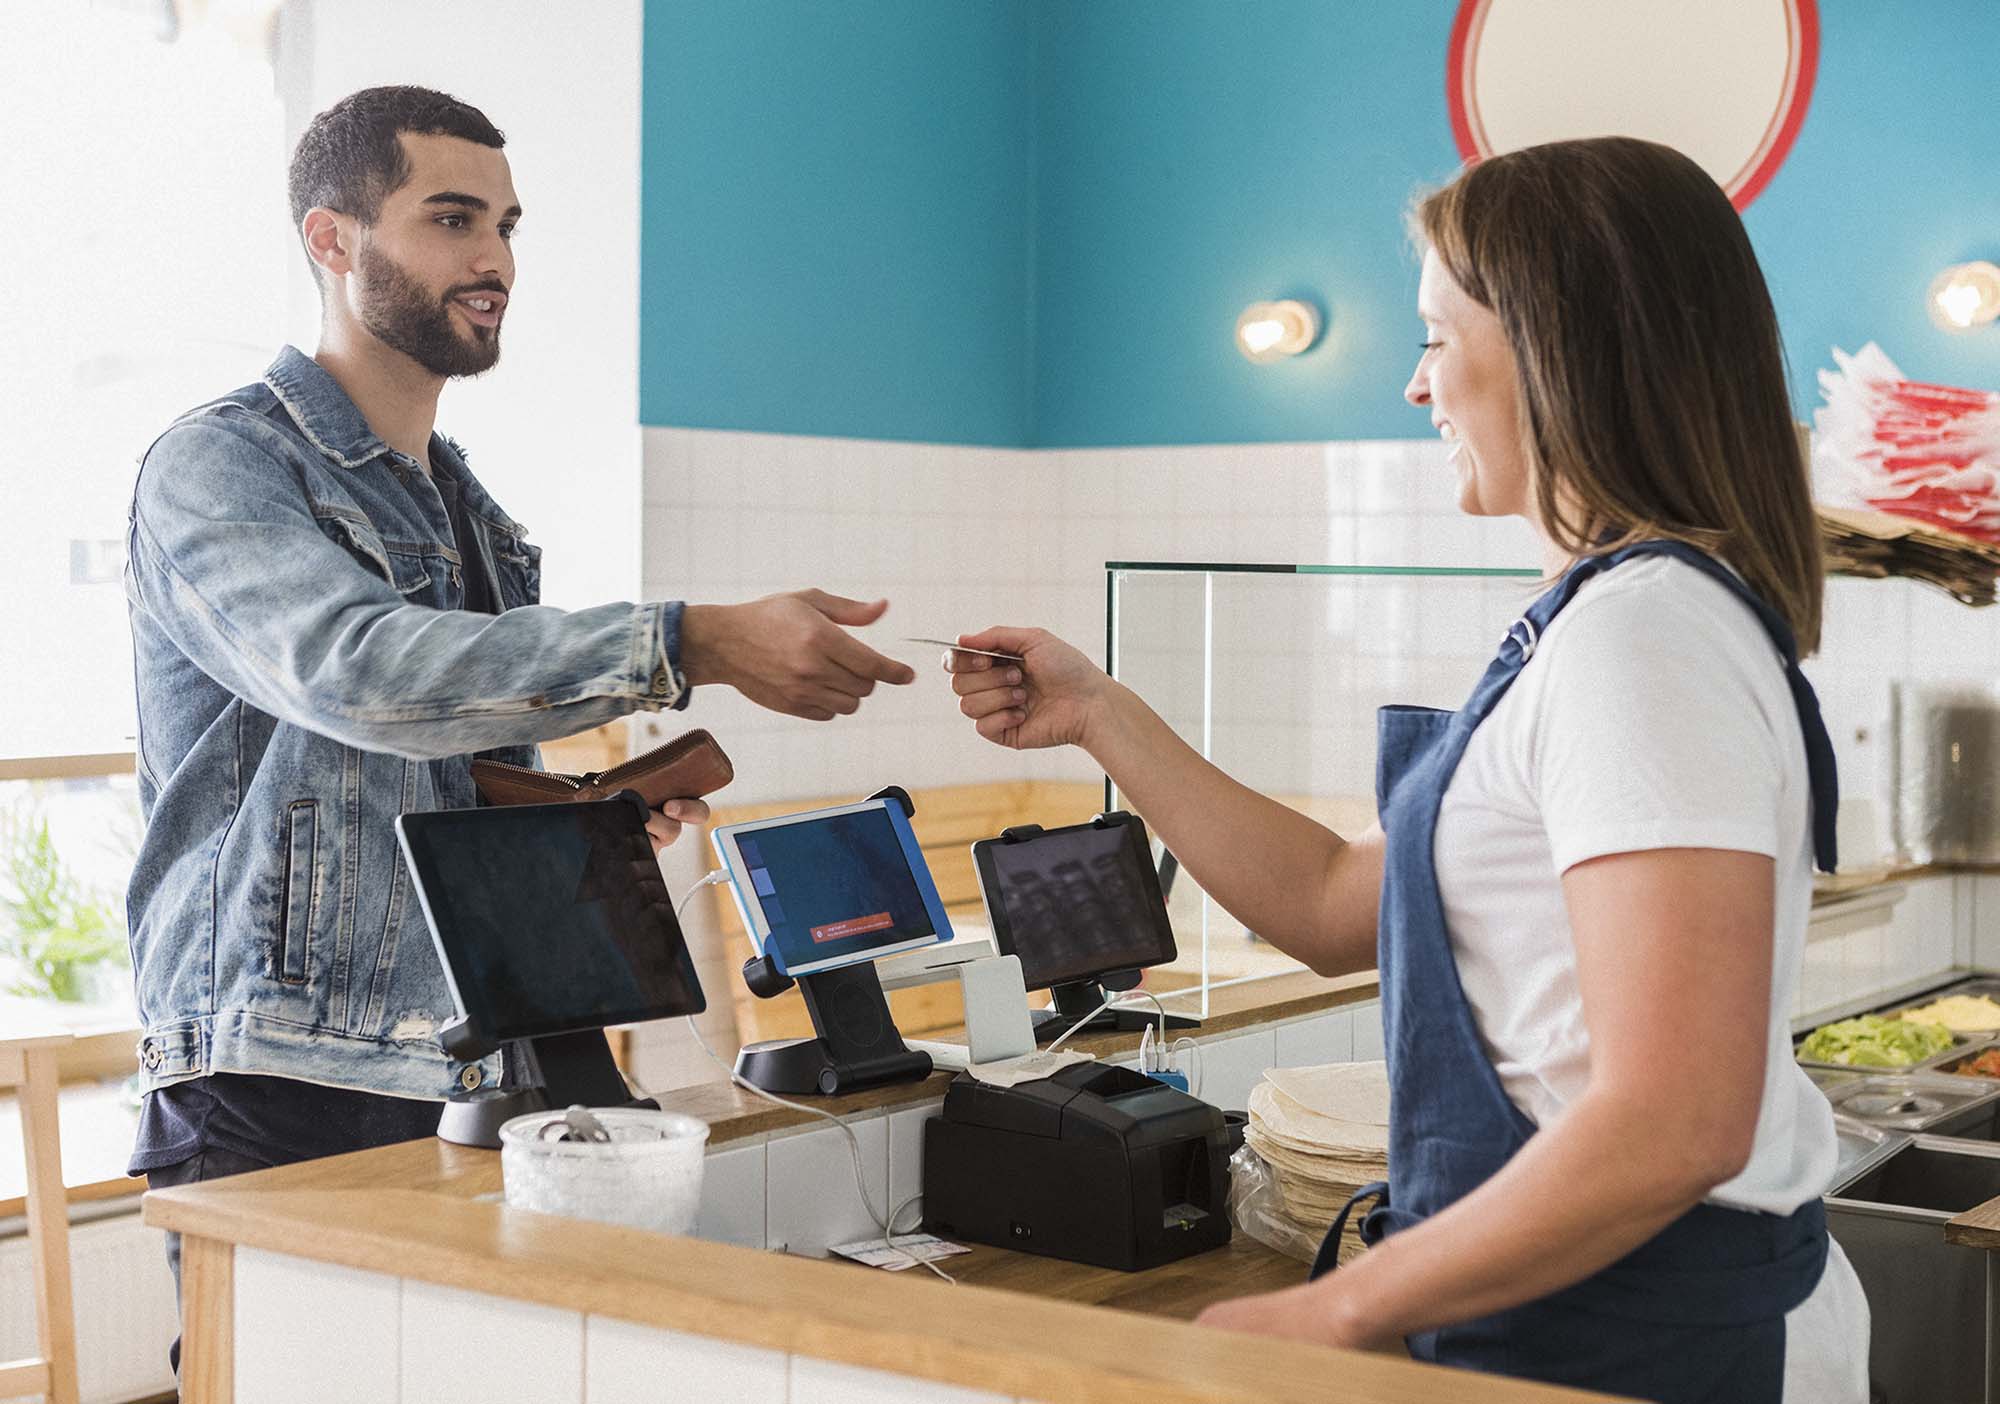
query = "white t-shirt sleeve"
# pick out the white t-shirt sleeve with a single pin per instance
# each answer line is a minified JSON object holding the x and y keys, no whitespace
{"x":1655,"y":725}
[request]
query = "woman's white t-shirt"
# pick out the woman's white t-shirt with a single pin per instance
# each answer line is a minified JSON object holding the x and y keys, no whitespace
{"x":1653,"y":713}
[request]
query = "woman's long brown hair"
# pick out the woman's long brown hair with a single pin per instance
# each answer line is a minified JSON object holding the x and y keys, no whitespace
{"x":1654,"y":401}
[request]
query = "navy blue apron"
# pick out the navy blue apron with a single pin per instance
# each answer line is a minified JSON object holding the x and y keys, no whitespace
{"x":1697,"y":1312}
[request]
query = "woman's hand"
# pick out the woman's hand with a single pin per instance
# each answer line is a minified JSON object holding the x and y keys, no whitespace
{"x":663,"y":825}
{"x":1309,"y":1312}
{"x":1047,"y":699}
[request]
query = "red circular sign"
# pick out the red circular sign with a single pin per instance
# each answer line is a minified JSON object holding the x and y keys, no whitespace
{"x":1726,"y":81}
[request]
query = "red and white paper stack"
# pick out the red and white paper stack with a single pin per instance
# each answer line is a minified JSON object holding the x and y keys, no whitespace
{"x":1930,"y":453}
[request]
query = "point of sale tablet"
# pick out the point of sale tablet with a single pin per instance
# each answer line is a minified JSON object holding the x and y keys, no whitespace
{"x":832,"y":887}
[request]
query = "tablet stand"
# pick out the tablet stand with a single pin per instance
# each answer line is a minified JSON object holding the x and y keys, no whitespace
{"x":560,"y":1070}
{"x":1078,"y":997}
{"x":858,"y":1044}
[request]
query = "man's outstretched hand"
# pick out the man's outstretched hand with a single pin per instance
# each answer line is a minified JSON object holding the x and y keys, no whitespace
{"x":789,"y":652}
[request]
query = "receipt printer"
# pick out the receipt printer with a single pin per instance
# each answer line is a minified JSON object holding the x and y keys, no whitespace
{"x":1097,"y":1164}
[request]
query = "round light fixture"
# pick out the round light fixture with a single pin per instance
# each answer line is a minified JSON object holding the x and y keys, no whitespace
{"x":1964,"y":296}
{"x":1271,"y":331}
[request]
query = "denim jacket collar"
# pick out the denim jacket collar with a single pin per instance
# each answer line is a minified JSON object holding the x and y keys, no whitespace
{"x":322,"y":410}
{"x":333,"y":422}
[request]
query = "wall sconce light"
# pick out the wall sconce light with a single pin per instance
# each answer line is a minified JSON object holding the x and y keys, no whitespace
{"x":1271,"y":331}
{"x":1964,"y":296}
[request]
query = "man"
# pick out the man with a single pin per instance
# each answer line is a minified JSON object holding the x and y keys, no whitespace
{"x":329,"y":613}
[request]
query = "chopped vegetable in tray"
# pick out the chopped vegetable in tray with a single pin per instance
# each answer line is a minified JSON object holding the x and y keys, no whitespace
{"x":1987,"y":1064}
{"x":1963,"y":1013}
{"x":1872,"y":1041}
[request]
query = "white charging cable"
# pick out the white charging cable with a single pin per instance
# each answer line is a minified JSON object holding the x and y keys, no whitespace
{"x":1158,"y":1009}
{"x":853,"y":1141}
{"x":1081,"y":1022}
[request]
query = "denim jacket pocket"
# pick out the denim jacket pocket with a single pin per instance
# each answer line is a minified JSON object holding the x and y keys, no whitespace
{"x":299,"y":904}
{"x":358,"y":535}
{"x":519,"y":568}
{"x":412,"y":572}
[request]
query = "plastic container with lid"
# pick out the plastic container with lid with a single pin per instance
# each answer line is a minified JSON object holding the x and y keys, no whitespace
{"x":646,"y":1175}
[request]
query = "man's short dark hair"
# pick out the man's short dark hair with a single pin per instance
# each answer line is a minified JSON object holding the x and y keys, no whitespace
{"x":350,"y":157}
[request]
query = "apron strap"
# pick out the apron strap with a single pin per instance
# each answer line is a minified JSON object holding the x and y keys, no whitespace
{"x":1328,"y":1257}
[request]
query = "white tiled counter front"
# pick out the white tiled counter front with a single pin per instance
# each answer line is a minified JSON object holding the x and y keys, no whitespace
{"x":406,"y":1340}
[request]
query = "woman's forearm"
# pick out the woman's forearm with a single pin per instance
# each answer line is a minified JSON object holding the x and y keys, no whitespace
{"x":1578,"y":1197}
{"x":1293,"y":881}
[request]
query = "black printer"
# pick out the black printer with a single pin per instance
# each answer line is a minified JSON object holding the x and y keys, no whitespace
{"x":1097,"y":1164}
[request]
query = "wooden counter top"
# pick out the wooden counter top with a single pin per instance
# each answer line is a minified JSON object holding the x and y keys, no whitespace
{"x":1976,"y":1228}
{"x":417,"y":1211}
{"x":733,"y":1114}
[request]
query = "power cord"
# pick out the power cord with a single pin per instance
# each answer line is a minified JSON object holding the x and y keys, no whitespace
{"x":1171,"y":1052}
{"x":853,"y":1141}
{"x":1158,"y":1009}
{"x":1064,"y":1038}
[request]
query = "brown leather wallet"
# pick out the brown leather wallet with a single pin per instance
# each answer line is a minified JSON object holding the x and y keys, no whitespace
{"x":687,"y":767}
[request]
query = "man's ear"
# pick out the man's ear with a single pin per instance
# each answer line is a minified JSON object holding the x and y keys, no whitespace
{"x":328,"y":244}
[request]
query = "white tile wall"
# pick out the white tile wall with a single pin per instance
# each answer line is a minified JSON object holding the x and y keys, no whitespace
{"x":1326,"y":1038}
{"x":1368,"y":1031}
{"x":732,"y":1195}
{"x":626,"y":1363}
{"x":1985,"y":906}
{"x":959,"y":537}
{"x":812,"y":1200}
{"x":359,"y":1360}
{"x":463,"y":1347}
{"x":309,"y":1331}
{"x":1230,"y":1067}
{"x":126,"y":1313}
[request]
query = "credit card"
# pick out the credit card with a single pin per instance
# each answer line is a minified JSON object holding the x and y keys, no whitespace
{"x":961,"y":648}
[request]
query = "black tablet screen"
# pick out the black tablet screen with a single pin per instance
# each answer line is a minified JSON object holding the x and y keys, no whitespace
{"x":1074,"y":903}
{"x":551,"y":917}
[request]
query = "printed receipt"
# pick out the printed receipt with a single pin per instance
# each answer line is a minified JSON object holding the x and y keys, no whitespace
{"x":910,"y":1250}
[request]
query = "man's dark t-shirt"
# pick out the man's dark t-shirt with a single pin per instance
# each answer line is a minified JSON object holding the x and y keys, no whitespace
{"x":279,"y":1120}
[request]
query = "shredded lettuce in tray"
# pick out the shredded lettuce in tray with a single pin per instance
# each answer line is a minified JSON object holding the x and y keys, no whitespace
{"x":1872,"y":1041}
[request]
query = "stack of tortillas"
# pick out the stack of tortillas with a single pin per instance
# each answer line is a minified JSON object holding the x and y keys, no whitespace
{"x":1325,"y":1133}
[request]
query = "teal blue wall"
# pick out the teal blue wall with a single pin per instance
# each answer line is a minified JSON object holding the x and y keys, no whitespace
{"x":835,"y":232}
{"x":1033,"y":222}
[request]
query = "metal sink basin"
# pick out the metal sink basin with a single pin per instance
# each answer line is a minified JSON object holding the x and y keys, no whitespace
{"x":1929,"y":1299}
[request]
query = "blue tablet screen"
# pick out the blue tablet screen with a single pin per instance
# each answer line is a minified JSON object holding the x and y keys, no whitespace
{"x":836,"y":889}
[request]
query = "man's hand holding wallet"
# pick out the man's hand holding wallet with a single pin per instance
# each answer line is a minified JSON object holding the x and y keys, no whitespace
{"x":670,"y":778}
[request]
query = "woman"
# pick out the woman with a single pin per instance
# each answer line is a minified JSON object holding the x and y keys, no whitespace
{"x":1589,"y":890}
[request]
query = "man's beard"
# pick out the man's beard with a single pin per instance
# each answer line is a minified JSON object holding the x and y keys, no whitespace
{"x":401,"y":314}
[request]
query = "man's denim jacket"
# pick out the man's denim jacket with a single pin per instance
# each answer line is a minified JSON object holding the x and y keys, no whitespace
{"x":304,"y":675}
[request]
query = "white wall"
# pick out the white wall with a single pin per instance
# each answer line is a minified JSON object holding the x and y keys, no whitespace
{"x":554,"y":429}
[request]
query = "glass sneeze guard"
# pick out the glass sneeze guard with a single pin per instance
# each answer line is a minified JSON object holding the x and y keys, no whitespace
{"x":1274,"y":673}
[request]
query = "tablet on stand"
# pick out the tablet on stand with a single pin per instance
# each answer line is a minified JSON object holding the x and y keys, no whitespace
{"x":1082,"y":907}
{"x":823,"y":894}
{"x":552,"y":922}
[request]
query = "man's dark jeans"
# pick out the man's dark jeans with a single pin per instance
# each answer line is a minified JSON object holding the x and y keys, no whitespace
{"x":209,"y":1164}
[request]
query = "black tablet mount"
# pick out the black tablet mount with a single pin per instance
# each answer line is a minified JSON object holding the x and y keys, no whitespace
{"x":857,"y":1044}
{"x":554,"y":1070}
{"x":1073,"y":1000}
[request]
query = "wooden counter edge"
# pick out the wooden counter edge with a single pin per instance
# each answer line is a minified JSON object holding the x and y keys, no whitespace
{"x":1978,"y":1227}
{"x":1049,"y":1350}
